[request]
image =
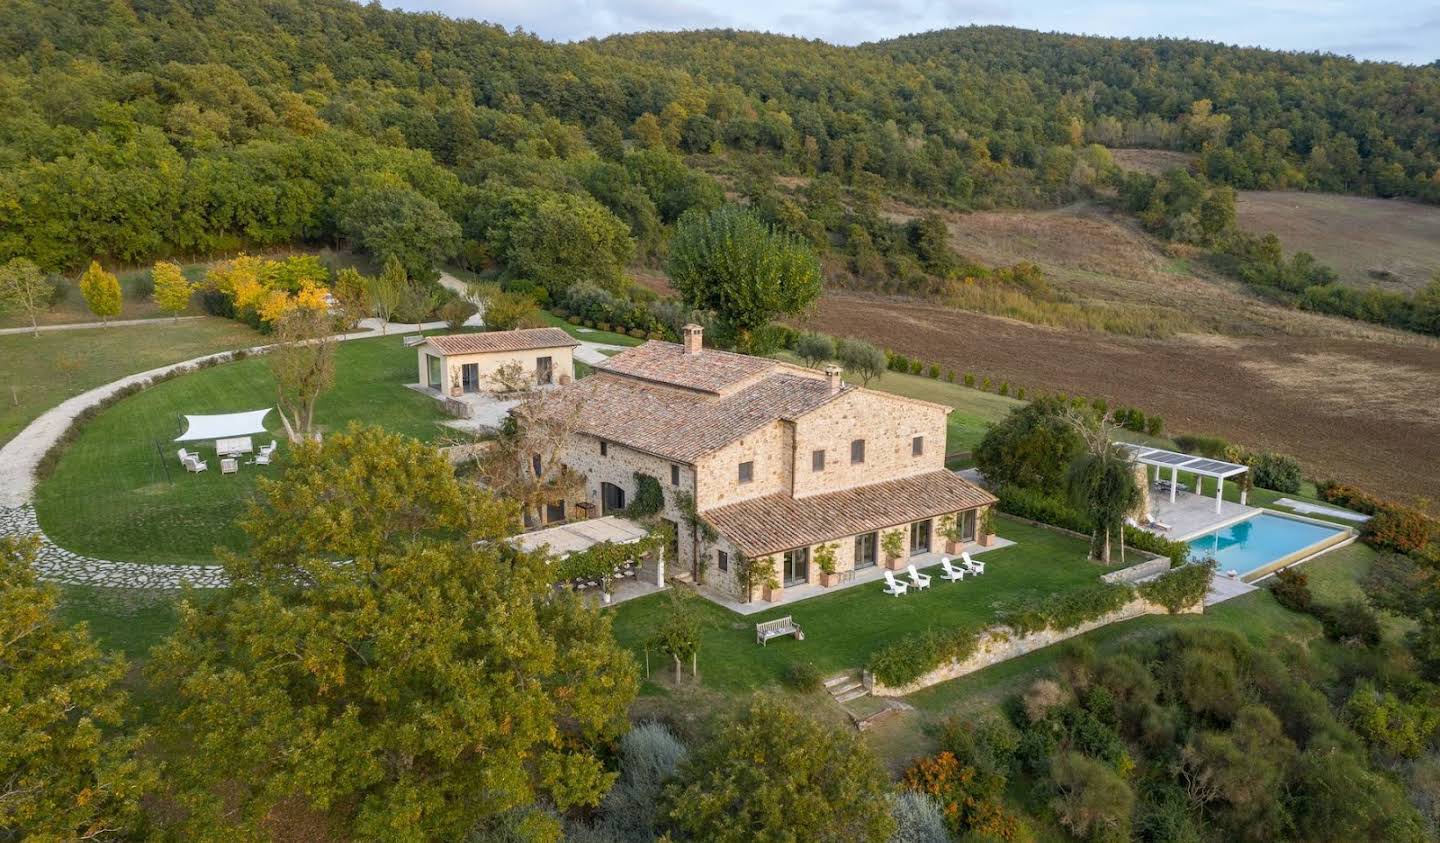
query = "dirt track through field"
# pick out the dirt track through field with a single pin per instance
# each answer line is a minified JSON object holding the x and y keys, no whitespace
{"x":1358,"y":410}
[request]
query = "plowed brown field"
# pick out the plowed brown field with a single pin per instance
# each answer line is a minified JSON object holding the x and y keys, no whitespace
{"x":1361,"y":410}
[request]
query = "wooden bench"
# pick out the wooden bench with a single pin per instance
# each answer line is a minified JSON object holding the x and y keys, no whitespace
{"x":776,"y":628}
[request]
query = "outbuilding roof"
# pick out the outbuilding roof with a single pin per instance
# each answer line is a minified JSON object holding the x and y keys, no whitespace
{"x":1146,"y":455}
{"x":773,"y":523}
{"x":525,"y":339}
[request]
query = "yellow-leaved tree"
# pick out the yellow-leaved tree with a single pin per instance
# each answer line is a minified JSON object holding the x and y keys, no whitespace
{"x":172,"y":288}
{"x":101,"y":290}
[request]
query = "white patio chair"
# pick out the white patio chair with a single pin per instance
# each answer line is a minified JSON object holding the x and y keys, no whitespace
{"x":894,"y":586}
{"x":950,"y":572}
{"x":229,"y":465}
{"x":917,"y":579}
{"x":975,"y":567}
{"x":191,"y":462}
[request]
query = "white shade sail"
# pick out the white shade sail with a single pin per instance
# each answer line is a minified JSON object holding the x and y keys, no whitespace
{"x":223,"y":425}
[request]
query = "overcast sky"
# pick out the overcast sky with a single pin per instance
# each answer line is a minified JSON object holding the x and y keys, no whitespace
{"x":1390,"y":30}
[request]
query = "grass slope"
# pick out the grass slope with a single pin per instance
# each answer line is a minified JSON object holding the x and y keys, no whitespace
{"x":842,"y":629}
{"x":110,"y":497}
{"x":34,"y":382}
{"x":1388,"y":243}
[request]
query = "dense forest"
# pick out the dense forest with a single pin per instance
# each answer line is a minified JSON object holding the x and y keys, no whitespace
{"x":200,"y":127}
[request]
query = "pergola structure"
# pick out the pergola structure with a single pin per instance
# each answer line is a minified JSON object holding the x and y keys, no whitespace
{"x":577,"y":536}
{"x":1177,"y":462}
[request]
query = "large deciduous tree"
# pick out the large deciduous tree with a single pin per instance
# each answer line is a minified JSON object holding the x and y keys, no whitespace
{"x":101,"y":290}
{"x":303,"y":363}
{"x":23,"y":288}
{"x":68,"y":765}
{"x":776,"y":774}
{"x":728,"y":262}
{"x":1032,"y":446}
{"x":390,"y":219}
{"x":384,"y":660}
{"x":172,"y":288}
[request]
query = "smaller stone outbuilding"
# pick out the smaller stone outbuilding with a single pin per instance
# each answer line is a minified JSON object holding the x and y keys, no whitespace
{"x":456,"y":364}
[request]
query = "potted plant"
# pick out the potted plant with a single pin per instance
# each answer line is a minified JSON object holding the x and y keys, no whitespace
{"x":769,"y":580}
{"x":893,"y":543}
{"x":950,"y":529}
{"x":825,"y":561}
{"x":455,"y":387}
{"x":987,"y":527}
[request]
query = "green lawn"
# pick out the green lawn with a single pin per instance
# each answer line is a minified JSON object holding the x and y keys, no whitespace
{"x":35,"y":377}
{"x":112,"y":497}
{"x":842,"y":629}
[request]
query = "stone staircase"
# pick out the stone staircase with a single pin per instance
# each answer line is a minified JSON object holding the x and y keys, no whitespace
{"x":846,"y":687}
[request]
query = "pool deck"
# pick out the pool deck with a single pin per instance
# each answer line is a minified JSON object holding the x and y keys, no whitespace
{"x":1192,"y":515}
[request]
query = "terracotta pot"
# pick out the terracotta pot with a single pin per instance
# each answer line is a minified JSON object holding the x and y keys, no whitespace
{"x":895,"y":563}
{"x":774,"y":595}
{"x":454,"y":392}
{"x":987,"y":539}
{"x":829,"y":580}
{"x":951,"y":546}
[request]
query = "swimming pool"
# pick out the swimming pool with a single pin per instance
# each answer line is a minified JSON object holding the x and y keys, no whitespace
{"x":1256,"y":544}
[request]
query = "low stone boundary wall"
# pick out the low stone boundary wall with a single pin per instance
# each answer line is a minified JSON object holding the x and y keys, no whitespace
{"x":457,"y":454}
{"x":998,"y":644}
{"x":1153,"y":567}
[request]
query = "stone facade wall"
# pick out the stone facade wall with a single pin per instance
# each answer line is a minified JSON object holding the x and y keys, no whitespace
{"x":562,"y":361}
{"x":618,"y":467}
{"x":998,"y":644}
{"x":718,"y":473}
{"x":886,"y":423}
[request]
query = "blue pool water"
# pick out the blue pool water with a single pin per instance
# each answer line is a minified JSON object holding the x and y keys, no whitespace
{"x":1256,"y":542}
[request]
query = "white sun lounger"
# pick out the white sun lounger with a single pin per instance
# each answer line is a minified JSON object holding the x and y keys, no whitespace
{"x":950,"y":572}
{"x":975,"y":567}
{"x":894,"y":586}
{"x":917,"y":579}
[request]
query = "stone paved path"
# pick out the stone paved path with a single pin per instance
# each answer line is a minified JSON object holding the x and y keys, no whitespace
{"x":57,"y":564}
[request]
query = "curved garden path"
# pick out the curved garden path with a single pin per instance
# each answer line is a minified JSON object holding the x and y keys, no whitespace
{"x":20,"y":456}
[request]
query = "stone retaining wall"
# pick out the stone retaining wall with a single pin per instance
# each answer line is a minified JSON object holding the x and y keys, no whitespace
{"x":998,"y":644}
{"x":1153,"y":567}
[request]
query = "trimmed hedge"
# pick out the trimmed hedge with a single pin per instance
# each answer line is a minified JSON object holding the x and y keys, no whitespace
{"x":1037,"y":505}
{"x":1181,"y":588}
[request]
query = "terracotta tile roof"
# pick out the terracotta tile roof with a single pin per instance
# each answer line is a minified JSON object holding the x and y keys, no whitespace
{"x":683,"y":425}
{"x":522,"y":340}
{"x":779,"y":522}
{"x":708,"y":371}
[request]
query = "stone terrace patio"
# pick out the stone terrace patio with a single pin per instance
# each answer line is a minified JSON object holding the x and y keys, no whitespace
{"x":872,"y":576}
{"x":1191,"y":514}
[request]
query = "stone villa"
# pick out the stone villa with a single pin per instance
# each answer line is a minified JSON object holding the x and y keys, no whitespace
{"x":780,"y":460}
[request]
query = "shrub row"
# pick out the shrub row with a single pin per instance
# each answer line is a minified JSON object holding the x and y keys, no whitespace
{"x":1392,"y":526}
{"x":1038,"y":505}
{"x":1181,"y":588}
{"x":593,"y":306}
{"x":1067,"y":610}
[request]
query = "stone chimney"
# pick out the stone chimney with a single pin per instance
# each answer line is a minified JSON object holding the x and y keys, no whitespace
{"x":832,"y":375}
{"x":694,"y":335}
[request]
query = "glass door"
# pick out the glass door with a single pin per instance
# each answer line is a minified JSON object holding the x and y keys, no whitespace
{"x":967,"y":525}
{"x":920,"y":537}
{"x":544,"y":370}
{"x":865,"y":551}
{"x":797,"y":566}
{"x":612,"y":498}
{"x":470,"y":377}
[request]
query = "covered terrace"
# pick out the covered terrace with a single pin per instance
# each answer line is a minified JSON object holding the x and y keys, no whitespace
{"x":644,"y":574}
{"x":1200,"y":467}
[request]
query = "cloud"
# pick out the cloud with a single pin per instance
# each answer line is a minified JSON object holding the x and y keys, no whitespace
{"x":1344,"y":26}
